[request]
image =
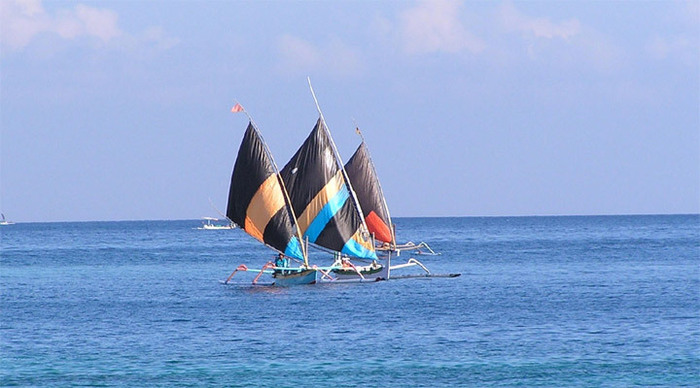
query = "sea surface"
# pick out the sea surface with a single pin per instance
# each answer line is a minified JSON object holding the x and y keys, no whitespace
{"x":610,"y":301}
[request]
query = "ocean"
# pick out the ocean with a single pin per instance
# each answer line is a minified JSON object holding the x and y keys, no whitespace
{"x":599,"y":301}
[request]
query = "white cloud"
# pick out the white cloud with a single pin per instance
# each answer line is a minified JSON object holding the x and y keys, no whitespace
{"x":19,"y":22}
{"x":513,"y":20}
{"x":300,"y":56}
{"x":682,"y":42}
{"x":157,"y":37}
{"x":297,"y":54}
{"x":100,"y":23}
{"x":559,"y":42}
{"x":681,"y":48}
{"x":22,"y":21}
{"x":435,"y":26}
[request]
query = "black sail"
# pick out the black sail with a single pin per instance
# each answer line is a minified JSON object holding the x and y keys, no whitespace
{"x":321,"y":198}
{"x":364,"y":180}
{"x":256,"y":200}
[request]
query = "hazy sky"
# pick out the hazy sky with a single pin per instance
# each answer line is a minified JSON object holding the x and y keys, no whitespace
{"x":120,"y":110}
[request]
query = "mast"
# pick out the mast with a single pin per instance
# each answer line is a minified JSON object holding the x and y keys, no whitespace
{"x":288,"y":201}
{"x":374,"y":170}
{"x":338,"y":160}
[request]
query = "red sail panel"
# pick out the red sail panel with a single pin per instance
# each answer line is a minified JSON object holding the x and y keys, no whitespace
{"x":365,"y":182}
{"x":378,"y":227}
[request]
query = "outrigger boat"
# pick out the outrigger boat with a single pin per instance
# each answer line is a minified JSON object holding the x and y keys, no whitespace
{"x":259,"y":204}
{"x":311,"y":201}
{"x":365,"y":180}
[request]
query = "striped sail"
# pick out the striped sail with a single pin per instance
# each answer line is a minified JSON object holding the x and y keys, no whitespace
{"x":364,"y":180}
{"x":256,"y":200}
{"x":321,"y":198}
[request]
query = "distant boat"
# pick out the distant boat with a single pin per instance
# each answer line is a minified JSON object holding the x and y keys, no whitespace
{"x":4,"y":222}
{"x":208,"y":224}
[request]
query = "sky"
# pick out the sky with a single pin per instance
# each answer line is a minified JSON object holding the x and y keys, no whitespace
{"x":120,"y":110}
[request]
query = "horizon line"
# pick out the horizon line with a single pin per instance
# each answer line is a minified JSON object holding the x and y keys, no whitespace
{"x":397,"y":217}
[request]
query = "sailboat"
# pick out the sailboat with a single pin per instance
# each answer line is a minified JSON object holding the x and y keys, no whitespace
{"x":259,"y":204}
{"x":364,"y":178}
{"x":310,"y":201}
{"x":363,"y":175}
{"x":3,"y":221}
{"x":328,"y":213}
{"x":209,"y":223}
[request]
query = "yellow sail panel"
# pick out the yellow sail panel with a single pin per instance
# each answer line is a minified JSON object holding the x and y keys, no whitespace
{"x":267,"y":201}
{"x":363,"y":240}
{"x":329,"y":191}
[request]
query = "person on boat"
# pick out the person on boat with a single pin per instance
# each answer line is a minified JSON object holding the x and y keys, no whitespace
{"x":280,"y":262}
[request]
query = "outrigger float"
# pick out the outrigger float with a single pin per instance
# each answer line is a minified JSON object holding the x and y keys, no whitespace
{"x":316,"y":201}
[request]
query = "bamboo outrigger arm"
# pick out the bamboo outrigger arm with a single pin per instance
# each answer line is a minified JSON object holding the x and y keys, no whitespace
{"x":325,"y":274}
{"x":411,"y":262}
{"x":269,"y":265}
{"x":342,"y":263}
{"x":265,"y":269}
{"x":411,"y":246}
{"x":355,"y":269}
{"x":241,"y":267}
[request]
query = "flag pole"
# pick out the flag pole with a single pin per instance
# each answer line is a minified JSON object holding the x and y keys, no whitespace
{"x":357,"y":130}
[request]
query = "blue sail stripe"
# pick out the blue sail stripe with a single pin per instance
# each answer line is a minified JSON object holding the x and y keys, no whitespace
{"x":293,"y":249}
{"x":354,"y":249}
{"x":324,"y":216}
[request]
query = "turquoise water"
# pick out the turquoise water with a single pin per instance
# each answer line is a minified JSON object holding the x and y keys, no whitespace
{"x":542,"y":301}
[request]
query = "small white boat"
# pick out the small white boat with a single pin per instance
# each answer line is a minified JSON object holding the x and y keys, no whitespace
{"x":208,"y":224}
{"x":3,"y":221}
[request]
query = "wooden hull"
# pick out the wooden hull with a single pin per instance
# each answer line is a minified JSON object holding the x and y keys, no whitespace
{"x":310,"y":276}
{"x":368,"y":274}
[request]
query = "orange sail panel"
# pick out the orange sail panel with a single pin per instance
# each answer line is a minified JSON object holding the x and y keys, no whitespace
{"x":256,"y":198}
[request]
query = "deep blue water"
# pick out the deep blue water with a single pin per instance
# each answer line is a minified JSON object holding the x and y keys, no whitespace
{"x":542,"y":301}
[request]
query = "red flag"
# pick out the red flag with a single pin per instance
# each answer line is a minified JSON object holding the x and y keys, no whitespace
{"x":237,"y":108}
